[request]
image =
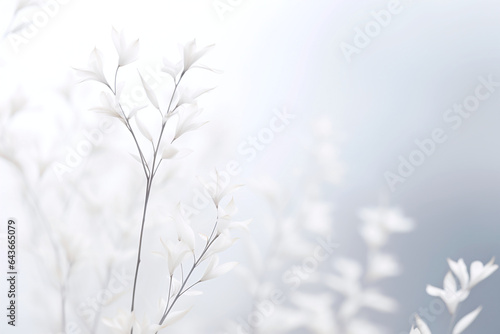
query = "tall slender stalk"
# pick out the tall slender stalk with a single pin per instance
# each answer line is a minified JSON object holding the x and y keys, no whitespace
{"x":149,"y":171}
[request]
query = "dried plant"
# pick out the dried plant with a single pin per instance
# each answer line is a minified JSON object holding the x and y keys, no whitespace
{"x":453,"y":297}
{"x":157,"y":145}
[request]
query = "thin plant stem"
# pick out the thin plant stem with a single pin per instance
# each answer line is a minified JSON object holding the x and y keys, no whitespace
{"x":182,"y":289}
{"x":146,"y":200}
{"x":169,"y":290}
{"x":150,"y":174}
{"x":63,"y":299}
{"x":452,"y":320}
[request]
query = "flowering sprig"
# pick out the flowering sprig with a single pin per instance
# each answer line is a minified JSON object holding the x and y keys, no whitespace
{"x":181,"y":102}
{"x":176,"y":251}
{"x":452,"y":296}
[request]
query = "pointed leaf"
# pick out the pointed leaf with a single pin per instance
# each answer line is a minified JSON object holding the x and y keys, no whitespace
{"x":144,"y":130}
{"x":465,"y":322}
{"x":422,"y":326}
{"x":150,"y":93}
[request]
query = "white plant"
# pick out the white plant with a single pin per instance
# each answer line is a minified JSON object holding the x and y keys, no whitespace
{"x":453,"y":296}
{"x":157,"y":145}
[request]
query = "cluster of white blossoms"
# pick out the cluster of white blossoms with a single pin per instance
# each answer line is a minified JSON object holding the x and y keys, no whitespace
{"x":452,"y":296}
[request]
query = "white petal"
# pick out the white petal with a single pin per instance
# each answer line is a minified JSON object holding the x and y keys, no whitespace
{"x":143,"y":129}
{"x":449,"y":283}
{"x":479,"y":272}
{"x":172,"y":69}
{"x":169,"y":152}
{"x":460,"y":270}
{"x":150,"y":93}
{"x":185,"y":233}
{"x":465,"y":322}
{"x":435,"y":292}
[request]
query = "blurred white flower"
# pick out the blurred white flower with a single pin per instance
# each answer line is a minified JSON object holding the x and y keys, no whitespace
{"x":109,"y":107}
{"x":95,"y":70}
{"x":460,"y":270}
{"x":173,"y":69}
{"x":380,"y":222}
{"x":191,"y":54}
{"x":188,"y":96}
{"x":356,"y":297}
{"x":382,"y":265}
{"x":175,"y":253}
{"x":449,"y":294}
{"x":218,"y":190}
{"x":215,"y":270}
{"x":184,"y":231}
{"x":225,"y":218}
{"x":223,"y":242}
{"x":421,"y":325}
{"x":317,"y":308}
{"x":479,"y":272}
{"x":188,"y":122}
{"x":317,"y":216}
{"x":128,"y":51}
{"x":362,"y":326}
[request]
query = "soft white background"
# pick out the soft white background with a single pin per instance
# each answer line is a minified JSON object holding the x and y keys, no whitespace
{"x":286,"y":53}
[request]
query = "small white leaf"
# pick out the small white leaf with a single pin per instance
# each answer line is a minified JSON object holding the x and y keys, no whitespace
{"x":466,"y":321}
{"x":176,"y":286}
{"x":134,"y":111}
{"x":215,"y":270}
{"x":172,"y":69}
{"x":150,"y":93}
{"x":185,"y":232}
{"x":144,"y":130}
{"x":169,"y":152}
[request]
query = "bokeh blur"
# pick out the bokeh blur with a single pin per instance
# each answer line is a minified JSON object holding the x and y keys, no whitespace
{"x":365,"y":128}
